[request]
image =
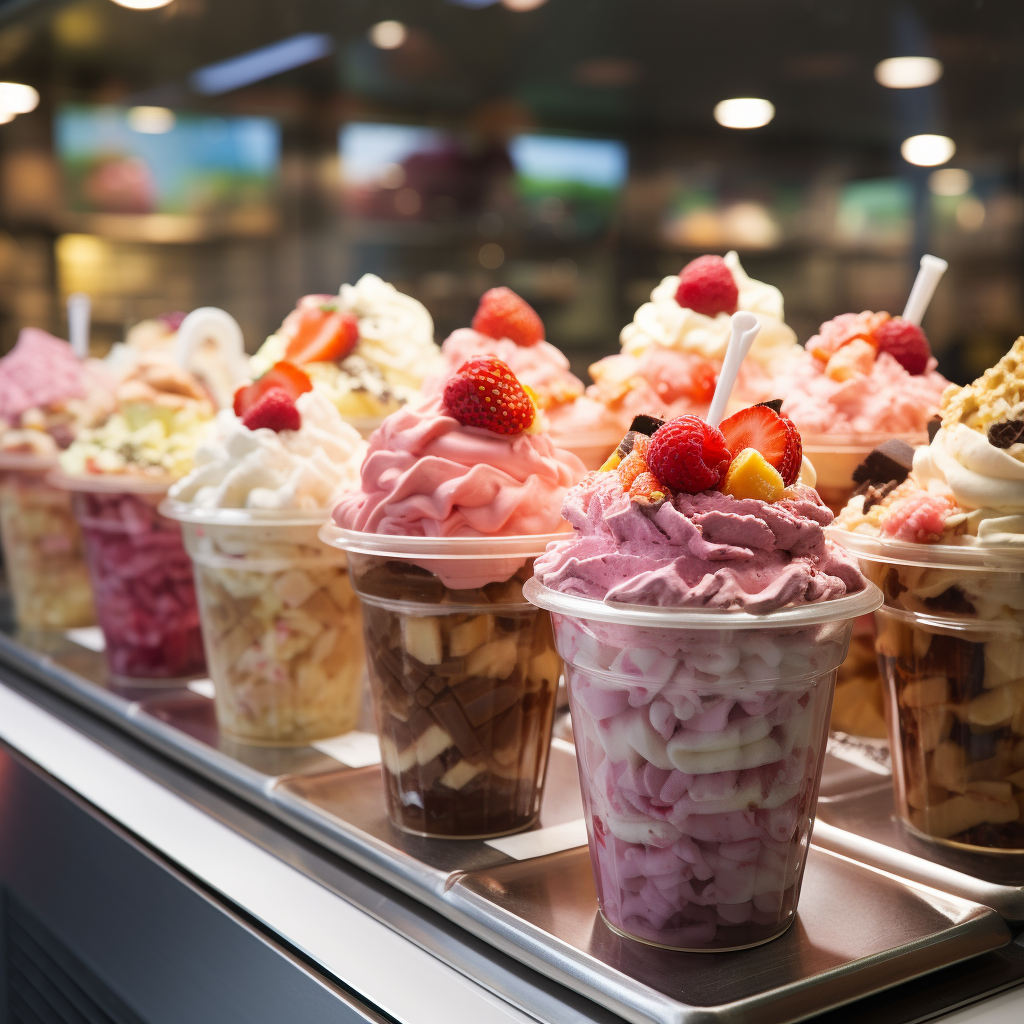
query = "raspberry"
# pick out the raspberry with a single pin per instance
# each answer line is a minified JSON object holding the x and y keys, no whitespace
{"x":920,"y":518}
{"x":774,"y":436}
{"x":688,"y":455}
{"x":503,"y":314}
{"x":284,"y":375}
{"x":706,"y":285}
{"x":648,"y":489}
{"x":906,"y":343}
{"x":485,"y":393}
{"x":275,"y":410}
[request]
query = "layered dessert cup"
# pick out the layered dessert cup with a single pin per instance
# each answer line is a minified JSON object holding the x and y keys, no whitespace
{"x":701,"y":614}
{"x":464,"y":675}
{"x":945,"y":542}
{"x":280,"y":620}
{"x":43,"y":548}
{"x":458,"y":496}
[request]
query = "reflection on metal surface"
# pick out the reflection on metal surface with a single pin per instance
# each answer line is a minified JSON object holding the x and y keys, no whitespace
{"x":858,"y":930}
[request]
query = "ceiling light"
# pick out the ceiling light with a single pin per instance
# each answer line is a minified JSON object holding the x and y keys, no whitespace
{"x":142,"y":5}
{"x":151,"y":120}
{"x":388,"y":35}
{"x":257,"y":65}
{"x":16,"y":98}
{"x":522,"y":5}
{"x":950,"y":181}
{"x":744,"y":112}
{"x":908,"y":72}
{"x":6,"y":117}
{"x":927,"y":150}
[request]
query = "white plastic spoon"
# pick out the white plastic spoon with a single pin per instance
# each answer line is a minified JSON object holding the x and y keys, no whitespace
{"x":211,"y":323}
{"x":932,"y":269}
{"x":79,"y":310}
{"x":745,"y":327}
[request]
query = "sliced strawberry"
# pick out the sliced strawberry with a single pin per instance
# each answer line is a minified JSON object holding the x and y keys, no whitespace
{"x":764,"y":430}
{"x":320,"y":334}
{"x":282,"y":375}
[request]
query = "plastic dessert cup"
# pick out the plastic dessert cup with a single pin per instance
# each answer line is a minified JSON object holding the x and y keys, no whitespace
{"x":700,"y":736}
{"x":592,"y":449}
{"x":950,"y":640}
{"x":43,"y":550}
{"x":281,"y":624}
{"x":141,"y":578}
{"x":463,"y":673}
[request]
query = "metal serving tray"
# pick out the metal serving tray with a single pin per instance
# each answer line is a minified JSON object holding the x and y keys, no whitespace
{"x":857,"y":817}
{"x":859,"y":930}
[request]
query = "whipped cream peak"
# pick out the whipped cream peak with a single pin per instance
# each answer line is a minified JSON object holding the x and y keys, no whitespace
{"x":665,"y":323}
{"x":306,"y":469}
{"x":706,"y":550}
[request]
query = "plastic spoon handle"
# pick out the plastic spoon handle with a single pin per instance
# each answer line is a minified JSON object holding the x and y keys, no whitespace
{"x":932,"y":269}
{"x":79,"y":309}
{"x":211,"y":323}
{"x":744,"y":330}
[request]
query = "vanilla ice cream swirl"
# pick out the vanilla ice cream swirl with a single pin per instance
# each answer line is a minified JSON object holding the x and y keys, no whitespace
{"x":662,"y":321}
{"x":987,"y":482}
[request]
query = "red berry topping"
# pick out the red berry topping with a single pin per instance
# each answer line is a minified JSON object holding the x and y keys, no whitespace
{"x":688,"y":455}
{"x":503,"y":314}
{"x":319,"y":333}
{"x":630,"y":468}
{"x":707,"y":286}
{"x":906,"y":343}
{"x":282,"y":375}
{"x":486,"y":393}
{"x":774,"y":436}
{"x":275,"y":410}
{"x":648,"y":488}
{"x":920,"y":518}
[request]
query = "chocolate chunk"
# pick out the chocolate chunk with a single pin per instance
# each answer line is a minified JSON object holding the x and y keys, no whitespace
{"x":934,"y":425}
{"x":775,"y":405}
{"x":449,"y":714}
{"x":644,"y":424}
{"x":491,"y":703}
{"x":951,"y":600}
{"x":891,"y":460}
{"x":874,"y":494}
{"x":1002,"y":435}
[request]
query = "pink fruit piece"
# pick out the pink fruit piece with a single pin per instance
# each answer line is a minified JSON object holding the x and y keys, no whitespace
{"x":919,"y":518}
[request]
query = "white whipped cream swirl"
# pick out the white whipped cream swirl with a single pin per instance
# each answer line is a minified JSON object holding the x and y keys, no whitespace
{"x":306,"y":469}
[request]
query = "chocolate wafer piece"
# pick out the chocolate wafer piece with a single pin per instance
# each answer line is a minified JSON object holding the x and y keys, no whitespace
{"x":890,"y":461}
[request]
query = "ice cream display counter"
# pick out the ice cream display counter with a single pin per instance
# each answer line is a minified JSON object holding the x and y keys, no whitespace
{"x":881,"y":924}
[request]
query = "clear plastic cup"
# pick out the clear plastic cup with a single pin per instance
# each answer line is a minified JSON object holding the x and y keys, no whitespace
{"x":463,"y":672}
{"x":591,"y":448}
{"x":281,"y":624}
{"x":950,"y":640}
{"x":43,"y":551}
{"x":141,"y":579}
{"x":700,"y":736}
{"x":858,"y":702}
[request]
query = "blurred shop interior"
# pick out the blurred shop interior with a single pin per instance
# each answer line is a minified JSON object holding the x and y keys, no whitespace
{"x":241,"y":153}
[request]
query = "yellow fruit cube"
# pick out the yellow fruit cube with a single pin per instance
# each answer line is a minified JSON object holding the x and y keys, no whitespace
{"x":752,"y":476}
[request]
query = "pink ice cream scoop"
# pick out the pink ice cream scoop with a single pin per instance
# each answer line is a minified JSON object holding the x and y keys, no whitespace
{"x":428,"y":475}
{"x":705,"y":550}
{"x":39,"y":372}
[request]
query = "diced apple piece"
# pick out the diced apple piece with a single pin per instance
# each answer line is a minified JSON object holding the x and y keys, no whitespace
{"x":434,"y":742}
{"x":995,"y":707}
{"x":421,"y":637}
{"x":470,"y":635}
{"x":294,"y":587}
{"x":949,"y":768}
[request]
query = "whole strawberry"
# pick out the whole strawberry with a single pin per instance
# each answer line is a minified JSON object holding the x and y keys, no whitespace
{"x":906,"y":343}
{"x":275,"y":409}
{"x":503,"y":314}
{"x":689,"y":455}
{"x":706,"y":285}
{"x":485,"y":393}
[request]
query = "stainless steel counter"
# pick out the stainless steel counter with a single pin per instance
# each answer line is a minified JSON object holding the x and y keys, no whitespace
{"x":525,"y":931}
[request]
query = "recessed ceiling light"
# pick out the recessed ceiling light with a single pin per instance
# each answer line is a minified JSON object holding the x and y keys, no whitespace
{"x":151,"y":120}
{"x":950,"y":181}
{"x":522,"y":5}
{"x":142,"y":5}
{"x":744,"y":112}
{"x":16,"y":98}
{"x":388,"y":35}
{"x":928,"y":150}
{"x":908,"y":72}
